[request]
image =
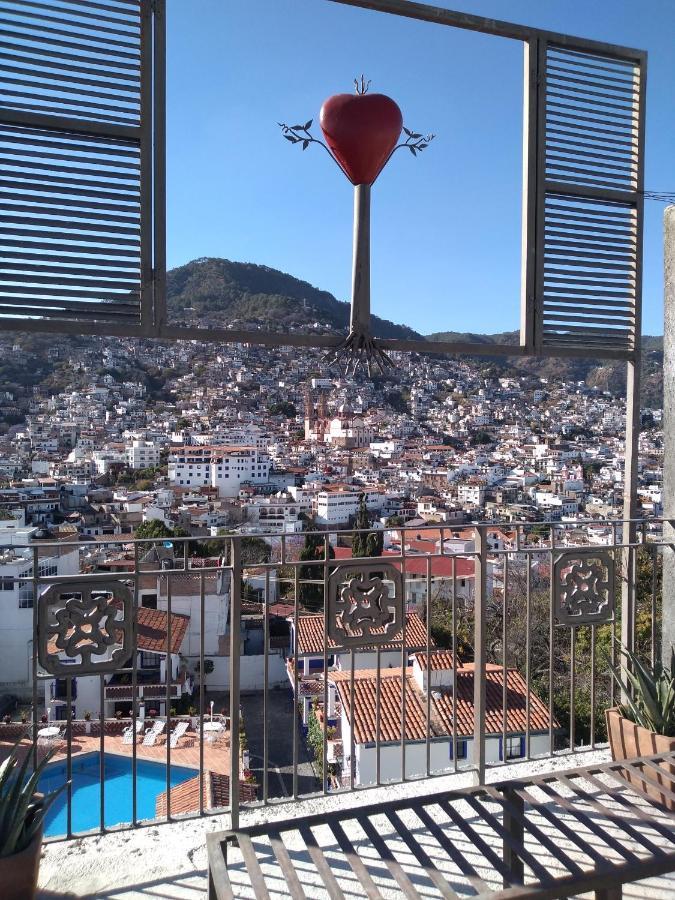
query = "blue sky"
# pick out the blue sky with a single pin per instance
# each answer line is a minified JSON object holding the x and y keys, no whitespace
{"x":445,"y":226}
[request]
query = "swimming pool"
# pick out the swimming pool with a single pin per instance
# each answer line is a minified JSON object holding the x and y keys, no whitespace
{"x":86,"y":790}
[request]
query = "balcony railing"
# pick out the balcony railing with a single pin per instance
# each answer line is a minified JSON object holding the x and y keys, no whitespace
{"x":455,"y":649}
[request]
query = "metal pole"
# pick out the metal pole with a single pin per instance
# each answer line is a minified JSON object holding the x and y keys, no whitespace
{"x":629,"y":555}
{"x":360,"y":317}
{"x":668,"y":587}
{"x":479,"y":657}
{"x":235,"y":647}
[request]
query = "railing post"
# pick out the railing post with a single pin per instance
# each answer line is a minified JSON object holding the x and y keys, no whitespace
{"x":235,"y":646}
{"x":479,"y":658}
{"x":629,"y":553}
{"x":668,"y":581}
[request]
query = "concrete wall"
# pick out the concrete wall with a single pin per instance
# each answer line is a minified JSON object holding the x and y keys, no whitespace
{"x":440,"y":759}
{"x":251,"y":673}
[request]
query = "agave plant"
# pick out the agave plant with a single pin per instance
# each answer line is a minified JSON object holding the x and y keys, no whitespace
{"x":22,"y":812}
{"x":649,"y":692}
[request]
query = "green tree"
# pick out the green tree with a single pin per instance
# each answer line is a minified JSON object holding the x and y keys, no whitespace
{"x":366,"y":543}
{"x":311,"y":594}
{"x":154,"y":529}
{"x":283,"y":408}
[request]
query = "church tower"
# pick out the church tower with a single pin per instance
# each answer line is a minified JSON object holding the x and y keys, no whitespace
{"x":310,"y":419}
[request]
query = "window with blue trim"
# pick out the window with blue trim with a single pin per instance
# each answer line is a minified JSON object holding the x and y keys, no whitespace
{"x":515,"y":747}
{"x":460,"y":749}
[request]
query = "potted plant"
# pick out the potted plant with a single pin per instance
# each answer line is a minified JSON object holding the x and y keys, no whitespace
{"x":22,"y":814}
{"x":645,"y":723}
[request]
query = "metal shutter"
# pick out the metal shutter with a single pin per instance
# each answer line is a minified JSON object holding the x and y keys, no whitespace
{"x":76,"y":152}
{"x":586,"y":200}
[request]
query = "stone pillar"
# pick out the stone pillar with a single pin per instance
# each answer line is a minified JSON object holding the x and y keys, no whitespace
{"x":668,"y":617}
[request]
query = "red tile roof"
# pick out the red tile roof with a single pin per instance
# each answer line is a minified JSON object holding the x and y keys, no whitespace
{"x":441,"y":566}
{"x":153,"y":626}
{"x":215,"y":794}
{"x":441,"y":705}
{"x":439,"y":660}
{"x":310,"y":636}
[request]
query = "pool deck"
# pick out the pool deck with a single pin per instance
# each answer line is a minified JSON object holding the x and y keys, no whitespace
{"x":216,"y":756}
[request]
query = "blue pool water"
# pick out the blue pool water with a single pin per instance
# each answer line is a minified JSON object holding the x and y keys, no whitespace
{"x":86,"y":791}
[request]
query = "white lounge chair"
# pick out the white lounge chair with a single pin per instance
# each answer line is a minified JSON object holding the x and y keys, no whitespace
{"x":128,"y":733}
{"x":153,"y":733}
{"x":178,"y":733}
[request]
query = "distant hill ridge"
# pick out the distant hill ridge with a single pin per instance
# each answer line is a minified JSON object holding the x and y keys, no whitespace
{"x":246,"y":292}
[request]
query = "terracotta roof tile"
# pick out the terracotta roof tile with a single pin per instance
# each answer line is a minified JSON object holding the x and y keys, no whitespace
{"x":310,"y":635}
{"x":152,"y":630}
{"x":438,"y":660}
{"x":215,"y":790}
{"x":441,"y":705}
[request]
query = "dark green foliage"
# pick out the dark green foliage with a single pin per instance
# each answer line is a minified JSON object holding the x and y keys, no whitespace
{"x":155,"y":529}
{"x":311,"y":595}
{"x":649,"y":692}
{"x":369,"y":543}
{"x":397,"y":401}
{"x":220,"y":288}
{"x":315,"y":742}
{"x":284,"y":408}
{"x":480,"y":437}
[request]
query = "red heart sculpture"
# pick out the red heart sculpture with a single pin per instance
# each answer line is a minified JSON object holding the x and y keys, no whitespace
{"x":361,"y":131}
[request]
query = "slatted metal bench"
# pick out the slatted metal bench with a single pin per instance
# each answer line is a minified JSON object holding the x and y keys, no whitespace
{"x":546,"y":836}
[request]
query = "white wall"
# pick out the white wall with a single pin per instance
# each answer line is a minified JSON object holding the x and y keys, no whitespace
{"x":251,"y":673}
{"x":440,"y":759}
{"x":88,"y":696}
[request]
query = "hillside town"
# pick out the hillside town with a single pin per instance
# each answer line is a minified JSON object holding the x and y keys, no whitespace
{"x":262,"y":441}
{"x":127,"y":439}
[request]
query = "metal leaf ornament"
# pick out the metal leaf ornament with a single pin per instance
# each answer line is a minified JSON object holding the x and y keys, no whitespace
{"x":362,"y":131}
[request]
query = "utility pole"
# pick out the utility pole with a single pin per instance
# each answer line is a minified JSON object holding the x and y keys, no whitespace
{"x":668,"y":589}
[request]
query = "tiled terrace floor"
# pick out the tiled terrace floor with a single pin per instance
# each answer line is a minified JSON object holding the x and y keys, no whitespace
{"x":169,"y":861}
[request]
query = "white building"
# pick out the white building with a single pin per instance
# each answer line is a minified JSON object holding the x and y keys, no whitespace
{"x":222,"y":466}
{"x":17,"y":597}
{"x":142,"y":455}
{"x":335,"y":506}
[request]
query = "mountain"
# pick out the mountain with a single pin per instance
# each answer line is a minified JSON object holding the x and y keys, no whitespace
{"x":221,"y":292}
{"x":236,"y":292}
{"x":607,"y":375}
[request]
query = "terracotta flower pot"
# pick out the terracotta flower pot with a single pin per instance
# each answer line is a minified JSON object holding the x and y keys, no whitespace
{"x":19,"y":872}
{"x":628,"y":740}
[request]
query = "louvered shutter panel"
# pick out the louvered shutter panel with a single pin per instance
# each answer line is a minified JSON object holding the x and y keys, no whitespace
{"x":588,"y":202}
{"x":76,"y":166}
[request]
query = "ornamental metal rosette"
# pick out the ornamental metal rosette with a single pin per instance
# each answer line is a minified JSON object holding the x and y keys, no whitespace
{"x":85,"y":628}
{"x":583,"y":587}
{"x":365,"y":604}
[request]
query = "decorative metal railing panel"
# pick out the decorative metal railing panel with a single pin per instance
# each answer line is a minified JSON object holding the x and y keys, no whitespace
{"x":85,"y":629}
{"x":584,"y":590}
{"x":362,"y":610}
